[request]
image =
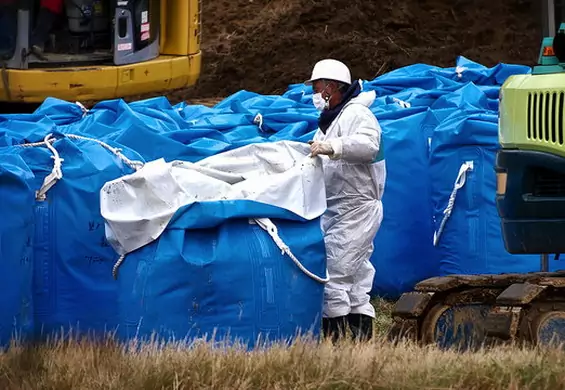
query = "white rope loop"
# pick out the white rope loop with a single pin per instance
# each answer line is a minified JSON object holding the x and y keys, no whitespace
{"x":56,"y":173}
{"x":459,"y":183}
{"x":258,"y":120}
{"x":82,"y":108}
{"x":135,"y":165}
{"x":116,"y":266}
{"x":459,"y":71}
{"x":401,"y":103}
{"x":271,"y":229}
{"x":267,"y":225}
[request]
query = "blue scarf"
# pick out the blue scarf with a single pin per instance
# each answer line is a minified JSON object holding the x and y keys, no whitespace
{"x":328,"y":116}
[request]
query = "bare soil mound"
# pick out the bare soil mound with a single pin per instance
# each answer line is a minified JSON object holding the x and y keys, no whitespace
{"x":264,"y":45}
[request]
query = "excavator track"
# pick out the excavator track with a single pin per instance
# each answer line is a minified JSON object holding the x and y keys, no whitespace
{"x":471,"y":311}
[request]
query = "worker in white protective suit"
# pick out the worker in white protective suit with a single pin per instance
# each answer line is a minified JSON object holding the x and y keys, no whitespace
{"x":349,"y":141}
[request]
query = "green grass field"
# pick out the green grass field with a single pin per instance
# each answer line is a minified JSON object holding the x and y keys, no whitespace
{"x":376,"y":365}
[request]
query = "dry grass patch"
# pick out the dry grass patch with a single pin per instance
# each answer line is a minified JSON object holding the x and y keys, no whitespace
{"x":304,"y":365}
{"x":80,"y":364}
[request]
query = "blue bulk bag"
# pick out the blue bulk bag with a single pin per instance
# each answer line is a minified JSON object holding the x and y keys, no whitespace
{"x":16,"y":234}
{"x":229,"y":248}
{"x":73,"y":285}
{"x":229,"y":282}
{"x":403,"y":253}
{"x":468,"y":235}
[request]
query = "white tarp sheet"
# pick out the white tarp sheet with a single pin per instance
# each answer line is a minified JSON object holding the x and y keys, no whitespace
{"x":138,"y":207}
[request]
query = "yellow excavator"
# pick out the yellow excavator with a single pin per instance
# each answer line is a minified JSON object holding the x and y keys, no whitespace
{"x":92,"y":50}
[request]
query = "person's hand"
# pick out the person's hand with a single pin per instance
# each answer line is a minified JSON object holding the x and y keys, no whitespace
{"x":317,"y":148}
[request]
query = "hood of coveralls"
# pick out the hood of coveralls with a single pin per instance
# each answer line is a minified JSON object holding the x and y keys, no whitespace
{"x":365,"y":98}
{"x":353,"y":95}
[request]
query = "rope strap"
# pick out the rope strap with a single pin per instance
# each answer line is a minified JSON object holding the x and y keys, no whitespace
{"x":82,"y":108}
{"x":135,"y":165}
{"x":116,"y":266}
{"x":57,"y":173}
{"x":401,"y":103}
{"x":258,"y":120}
{"x":459,"y":71}
{"x":269,"y":227}
{"x":459,"y":183}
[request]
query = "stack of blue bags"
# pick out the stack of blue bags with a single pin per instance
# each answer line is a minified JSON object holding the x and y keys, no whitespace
{"x":56,"y":265}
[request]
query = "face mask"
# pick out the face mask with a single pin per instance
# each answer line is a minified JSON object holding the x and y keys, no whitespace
{"x":319,"y":102}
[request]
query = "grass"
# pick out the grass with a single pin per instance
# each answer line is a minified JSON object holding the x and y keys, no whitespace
{"x":79,"y":364}
{"x":383,"y":319}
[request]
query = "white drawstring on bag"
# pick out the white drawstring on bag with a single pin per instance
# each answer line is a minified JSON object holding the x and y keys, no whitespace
{"x":459,"y":183}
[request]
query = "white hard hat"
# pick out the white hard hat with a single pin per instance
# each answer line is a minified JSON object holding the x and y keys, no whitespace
{"x":330,"y":70}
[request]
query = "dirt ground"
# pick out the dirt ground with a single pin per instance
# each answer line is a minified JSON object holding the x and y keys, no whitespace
{"x":264,"y":45}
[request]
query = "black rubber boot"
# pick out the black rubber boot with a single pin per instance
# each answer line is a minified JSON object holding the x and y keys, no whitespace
{"x":361,"y":326}
{"x":45,"y":21}
{"x":334,"y":328}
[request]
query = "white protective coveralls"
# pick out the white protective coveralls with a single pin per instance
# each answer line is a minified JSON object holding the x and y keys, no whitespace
{"x":354,"y":177}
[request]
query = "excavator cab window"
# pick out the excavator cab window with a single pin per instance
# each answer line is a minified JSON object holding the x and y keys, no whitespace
{"x":63,"y":33}
{"x":70,"y":32}
{"x":8,"y":29}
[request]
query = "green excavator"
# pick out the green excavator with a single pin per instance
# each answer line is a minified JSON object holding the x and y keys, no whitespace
{"x":474,"y":310}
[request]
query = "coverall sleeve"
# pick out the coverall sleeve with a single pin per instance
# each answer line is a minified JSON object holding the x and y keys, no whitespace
{"x":361,"y":137}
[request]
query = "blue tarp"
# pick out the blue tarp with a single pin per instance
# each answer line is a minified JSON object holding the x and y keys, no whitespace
{"x":227,"y":283}
{"x":433,"y":118}
{"x":16,"y":254}
{"x":72,"y":261}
